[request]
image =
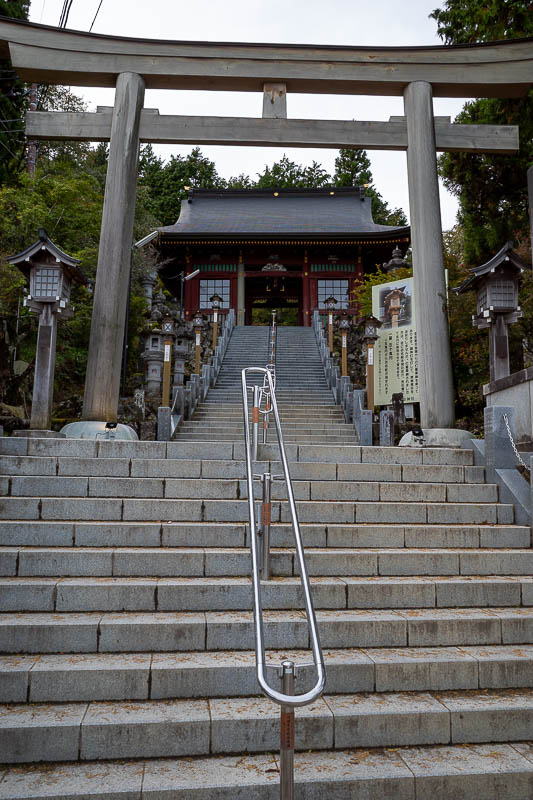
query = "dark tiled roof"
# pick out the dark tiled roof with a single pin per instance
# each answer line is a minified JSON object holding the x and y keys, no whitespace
{"x":260,"y":212}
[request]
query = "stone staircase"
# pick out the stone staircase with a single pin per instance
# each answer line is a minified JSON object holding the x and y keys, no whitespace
{"x":307,"y":410}
{"x":126,"y":634}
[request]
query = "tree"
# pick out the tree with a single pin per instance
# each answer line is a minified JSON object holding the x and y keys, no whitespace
{"x":13,"y":102}
{"x":352,"y":168}
{"x":286,"y":174}
{"x":492,"y":189}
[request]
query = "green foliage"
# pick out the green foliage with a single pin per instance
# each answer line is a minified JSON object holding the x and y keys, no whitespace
{"x":362,"y":294}
{"x":352,"y":168}
{"x":492,"y":189}
{"x":13,"y":102}
{"x":286,"y":174}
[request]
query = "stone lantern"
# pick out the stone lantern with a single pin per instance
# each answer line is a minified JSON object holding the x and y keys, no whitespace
{"x":51,"y":273}
{"x":397,"y":262}
{"x":496,"y":284}
{"x":370,"y":336}
{"x":154,"y":347}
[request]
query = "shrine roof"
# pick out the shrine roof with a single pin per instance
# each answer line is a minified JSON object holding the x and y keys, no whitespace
{"x":506,"y":254}
{"x":277,"y":212}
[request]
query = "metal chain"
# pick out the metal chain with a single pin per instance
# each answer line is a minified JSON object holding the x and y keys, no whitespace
{"x":513,"y":445}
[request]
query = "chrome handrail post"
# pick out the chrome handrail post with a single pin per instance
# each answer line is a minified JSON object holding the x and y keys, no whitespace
{"x":286,"y":738}
{"x":266,"y":516}
{"x":255,"y":422}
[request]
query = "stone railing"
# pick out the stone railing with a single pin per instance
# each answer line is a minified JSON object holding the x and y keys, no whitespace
{"x":186,"y":398}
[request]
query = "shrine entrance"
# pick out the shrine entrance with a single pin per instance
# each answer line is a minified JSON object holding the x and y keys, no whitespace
{"x":278,"y":292}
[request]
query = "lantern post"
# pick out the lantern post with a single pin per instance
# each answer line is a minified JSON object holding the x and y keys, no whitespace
{"x":169,"y":329}
{"x":198,"y":324}
{"x":216,"y":302}
{"x":330,"y":303}
{"x":344,"y":326}
{"x":371,"y":326}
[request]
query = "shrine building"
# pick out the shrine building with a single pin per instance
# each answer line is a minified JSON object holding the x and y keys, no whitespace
{"x":264,"y":249}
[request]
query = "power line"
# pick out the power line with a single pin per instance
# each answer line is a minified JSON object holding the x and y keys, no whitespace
{"x":97,"y":10}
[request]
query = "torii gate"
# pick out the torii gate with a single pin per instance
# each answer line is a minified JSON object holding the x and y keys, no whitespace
{"x":42,"y":54}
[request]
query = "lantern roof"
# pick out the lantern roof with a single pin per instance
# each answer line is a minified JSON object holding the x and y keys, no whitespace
{"x":23,"y":259}
{"x":506,"y":256}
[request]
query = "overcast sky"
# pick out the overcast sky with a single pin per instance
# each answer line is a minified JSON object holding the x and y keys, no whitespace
{"x":341,"y":22}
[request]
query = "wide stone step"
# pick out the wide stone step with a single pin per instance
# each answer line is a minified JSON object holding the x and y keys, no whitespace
{"x":114,"y":509}
{"x":228,"y":534}
{"x":213,"y":587}
{"x":148,"y":728}
{"x":499,"y":566}
{"x":138,"y":631}
{"x":162,"y":675}
{"x":488,"y":771}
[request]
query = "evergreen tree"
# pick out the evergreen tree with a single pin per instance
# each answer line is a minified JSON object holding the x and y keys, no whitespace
{"x":286,"y":174}
{"x":352,"y":168}
{"x":492,"y":189}
{"x":13,"y":103}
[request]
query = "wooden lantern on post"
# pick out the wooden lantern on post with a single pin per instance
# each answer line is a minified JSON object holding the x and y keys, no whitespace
{"x":496,"y":284}
{"x":216,"y":302}
{"x":51,"y":273}
{"x":344,"y":326}
{"x":371,"y":327}
{"x":168,"y":328}
{"x":198,"y":324}
{"x":330,"y":303}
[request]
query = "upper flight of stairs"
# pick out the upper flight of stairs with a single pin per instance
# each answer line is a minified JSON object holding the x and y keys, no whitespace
{"x":126,"y":666}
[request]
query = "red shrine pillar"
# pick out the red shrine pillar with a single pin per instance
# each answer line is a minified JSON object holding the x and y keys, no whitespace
{"x":306,"y":294}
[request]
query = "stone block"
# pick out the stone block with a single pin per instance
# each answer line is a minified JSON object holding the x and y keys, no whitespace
{"x":503,"y":667}
{"x":200,"y":594}
{"x":365,"y":536}
{"x":22,"y":486}
{"x":391,"y":455}
{"x":198,"y":534}
{"x":426,"y":473}
{"x":220,"y":674}
{"x":146,"y":729}
{"x":320,"y":511}
{"x":448,"y":627}
{"x":165,"y":468}
{"x":48,"y":633}
{"x":424,"y":669}
{"x":473,"y":593}
{"x":27,"y":594}
{"x":390,"y":593}
{"x":517,"y":625}
{"x":347,"y":670}
{"x":55,"y":534}
{"x":13,"y":446}
{"x":474,"y":474}
{"x":75,"y":448}
{"x":14,"y":672}
{"x":90,"y":677}
{"x":476,"y":717}
{"x":158,"y":562}
{"x":369,"y":472}
{"x":145,"y":633}
{"x":344,"y":490}
{"x":486,"y":771}
{"x":202,"y":489}
{"x":505,"y":514}
{"x":235,"y":629}
{"x":8,"y":561}
{"x":253,"y":777}
{"x":390,"y":720}
{"x":390,"y":512}
{"x":74,"y":780}
{"x":411,"y":562}
{"x":116,"y":448}
{"x":221,"y":561}
{"x":162,"y":510}
{"x":472,"y":493}
{"x":64,"y":563}
{"x":200,"y":450}
{"x":86,"y":508}
{"x":333,"y":454}
{"x":229,"y":469}
{"x":231,"y":511}
{"x":497,"y":563}
{"x":281,"y":535}
{"x":126,"y":487}
{"x":462,"y":514}
{"x":102,"y":468}
{"x":340,"y":562}
{"x":117,"y":534}
{"x":106,"y":594}
{"x":445,"y":455}
{"x":306,"y":471}
{"x":24,"y":465}
{"x":361,"y":629}
{"x":412,"y":492}
{"x":500,"y":536}
{"x":269,"y":451}
{"x":19,"y":508}
{"x":441,"y":536}
{"x":252,"y":725}
{"x":42,"y":733}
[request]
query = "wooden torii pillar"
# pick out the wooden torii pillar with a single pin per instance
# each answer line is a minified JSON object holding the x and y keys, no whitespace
{"x":493,"y":69}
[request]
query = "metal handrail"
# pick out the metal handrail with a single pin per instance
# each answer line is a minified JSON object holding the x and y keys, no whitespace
{"x":278,"y":697}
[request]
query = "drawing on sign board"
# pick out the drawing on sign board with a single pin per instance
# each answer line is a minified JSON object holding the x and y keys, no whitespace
{"x":395,"y":305}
